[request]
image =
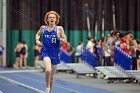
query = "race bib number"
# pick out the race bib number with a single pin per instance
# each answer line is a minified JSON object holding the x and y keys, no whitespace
{"x":53,"y":40}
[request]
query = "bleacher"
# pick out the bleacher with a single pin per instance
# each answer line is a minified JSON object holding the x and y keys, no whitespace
{"x":89,"y":61}
{"x":120,"y":71}
{"x":122,"y":68}
{"x":86,"y":67}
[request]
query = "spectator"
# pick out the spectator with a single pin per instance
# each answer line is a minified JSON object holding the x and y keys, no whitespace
{"x":133,"y":48}
{"x":18,"y":62}
{"x":37,"y":55}
{"x":79,"y":51}
{"x":1,"y":55}
{"x":98,"y":51}
{"x":70,"y":50}
{"x":64,"y":46}
{"x":103,"y":48}
{"x":124,"y":44}
{"x":107,"y":56}
{"x":116,"y":39}
{"x":107,"y":52}
{"x":138,"y":56}
{"x":89,"y":45}
{"x":24,"y":53}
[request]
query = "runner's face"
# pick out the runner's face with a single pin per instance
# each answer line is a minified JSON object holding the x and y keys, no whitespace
{"x":51,"y":19}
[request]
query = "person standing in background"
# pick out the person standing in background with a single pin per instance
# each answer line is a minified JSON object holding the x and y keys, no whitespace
{"x":37,"y":54}
{"x":138,"y":56}
{"x":1,"y":55}
{"x":89,"y":45}
{"x":24,"y":53}
{"x":18,"y":55}
{"x":78,"y":52}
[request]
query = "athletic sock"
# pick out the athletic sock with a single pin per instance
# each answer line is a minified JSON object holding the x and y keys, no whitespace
{"x":47,"y":90}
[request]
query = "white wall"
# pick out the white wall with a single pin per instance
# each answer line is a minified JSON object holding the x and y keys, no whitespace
{"x":1,"y":22}
{"x":0,"y":38}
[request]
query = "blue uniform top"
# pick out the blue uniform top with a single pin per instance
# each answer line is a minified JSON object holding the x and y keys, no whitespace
{"x":51,"y":44}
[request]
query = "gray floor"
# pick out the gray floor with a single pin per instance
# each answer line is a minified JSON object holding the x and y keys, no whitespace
{"x":119,"y":87}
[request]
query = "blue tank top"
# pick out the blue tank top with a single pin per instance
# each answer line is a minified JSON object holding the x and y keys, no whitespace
{"x":51,"y":43}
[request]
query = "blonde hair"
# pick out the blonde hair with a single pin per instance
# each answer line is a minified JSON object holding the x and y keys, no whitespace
{"x":51,"y":12}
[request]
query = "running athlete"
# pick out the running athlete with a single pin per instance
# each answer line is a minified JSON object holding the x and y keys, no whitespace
{"x":52,"y":36}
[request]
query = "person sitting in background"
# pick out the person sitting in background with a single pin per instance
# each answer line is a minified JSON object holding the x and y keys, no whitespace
{"x":1,"y":55}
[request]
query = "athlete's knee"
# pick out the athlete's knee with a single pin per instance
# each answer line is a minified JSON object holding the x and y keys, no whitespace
{"x":48,"y":72}
{"x":52,"y":78}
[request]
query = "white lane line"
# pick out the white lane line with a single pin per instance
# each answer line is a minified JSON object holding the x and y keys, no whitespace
{"x":25,"y":77}
{"x":23,"y":85}
{"x":1,"y":92}
{"x":73,"y":91}
{"x":17,"y":71}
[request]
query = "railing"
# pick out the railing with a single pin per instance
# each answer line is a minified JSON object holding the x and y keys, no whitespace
{"x":86,"y":56}
{"x":65,"y":56}
{"x":122,"y":59}
{"x":89,"y":57}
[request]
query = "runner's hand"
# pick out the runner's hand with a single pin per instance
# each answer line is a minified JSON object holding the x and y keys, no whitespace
{"x":38,"y":43}
{"x":59,"y":36}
